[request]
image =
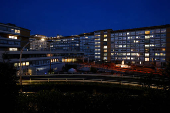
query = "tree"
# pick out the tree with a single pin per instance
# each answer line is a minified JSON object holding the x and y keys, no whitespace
{"x":9,"y":89}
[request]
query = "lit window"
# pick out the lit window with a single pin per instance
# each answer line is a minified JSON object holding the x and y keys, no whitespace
{"x":105,"y":58}
{"x":120,"y":45}
{"x":105,"y":50}
{"x":163,"y":49}
{"x":86,"y":37}
{"x":147,"y":32}
{"x":132,"y":49}
{"x":97,"y":53}
{"x":97,"y":46}
{"x":97,"y":39}
{"x":152,"y":45}
{"x":17,"y":31}
{"x":27,"y":63}
{"x":132,"y":58}
{"x":124,"y":54}
{"x":146,"y":54}
{"x":128,"y":57}
{"x":128,"y":53}
{"x":105,"y":35}
{"x":124,"y":45}
{"x":127,"y":33}
{"x":97,"y":56}
{"x":105,"y":54}
{"x":147,"y":37}
{"x":97,"y":35}
{"x":13,"y":37}
{"x":157,"y":54}
{"x":162,"y":54}
{"x":146,"y":59}
{"x":97,"y":49}
{"x":147,"y":45}
{"x":105,"y":47}
{"x":105,"y":39}
{"x":12,"y":49}
{"x":133,"y":62}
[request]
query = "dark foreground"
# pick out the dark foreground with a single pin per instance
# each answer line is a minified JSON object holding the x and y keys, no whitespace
{"x":91,"y":97}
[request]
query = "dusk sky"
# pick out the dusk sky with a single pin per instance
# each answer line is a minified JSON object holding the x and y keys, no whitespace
{"x":72,"y":17}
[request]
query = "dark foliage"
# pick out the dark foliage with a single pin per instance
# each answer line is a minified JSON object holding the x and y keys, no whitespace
{"x":9,"y":89}
{"x":103,"y":98}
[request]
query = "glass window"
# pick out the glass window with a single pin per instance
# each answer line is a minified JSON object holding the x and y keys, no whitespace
{"x":163,"y":45}
{"x":146,"y":54}
{"x":105,"y":50}
{"x":152,"y":32}
{"x":105,"y":39}
{"x":13,"y":37}
{"x":146,"y":45}
{"x":124,"y":34}
{"x":17,"y":31}
{"x":147,"y":37}
{"x":146,"y":59}
{"x":157,"y":30}
{"x":124,"y":38}
{"x":133,"y":54}
{"x":105,"y":54}
{"x":104,"y":58}
{"x":112,"y":35}
{"x":120,"y":45}
{"x":140,"y":32}
{"x":12,"y":49}
{"x":132,"y":58}
{"x":120,"y":34}
{"x":116,"y":34}
{"x":163,"y":30}
{"x":105,"y":47}
{"x":163,"y":49}
{"x":147,"y":32}
{"x":105,"y":36}
{"x":132,"y":33}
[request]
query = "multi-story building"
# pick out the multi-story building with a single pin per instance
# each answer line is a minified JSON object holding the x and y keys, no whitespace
{"x":67,"y":43}
{"x":39,"y":43}
{"x":146,"y":45}
{"x":87,"y":45}
{"x":13,"y":38}
{"x":34,"y":60}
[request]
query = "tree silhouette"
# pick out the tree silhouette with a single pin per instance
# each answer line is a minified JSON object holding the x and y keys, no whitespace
{"x":9,"y":89}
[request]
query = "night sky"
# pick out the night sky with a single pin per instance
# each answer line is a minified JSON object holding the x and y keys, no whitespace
{"x":72,"y":17}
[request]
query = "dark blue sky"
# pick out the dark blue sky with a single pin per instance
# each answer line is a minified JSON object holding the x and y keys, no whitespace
{"x":71,"y":17}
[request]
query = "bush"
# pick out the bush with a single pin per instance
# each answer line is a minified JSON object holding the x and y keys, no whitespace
{"x":9,"y":89}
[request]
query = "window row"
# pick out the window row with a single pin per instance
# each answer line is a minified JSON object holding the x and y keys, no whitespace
{"x":140,"y":32}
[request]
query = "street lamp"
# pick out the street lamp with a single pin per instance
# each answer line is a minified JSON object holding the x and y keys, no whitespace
{"x":20,"y":64}
{"x":20,"y":73}
{"x":50,"y":53}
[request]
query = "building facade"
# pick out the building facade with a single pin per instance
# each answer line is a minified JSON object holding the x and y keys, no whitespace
{"x":13,"y":38}
{"x":68,"y":43}
{"x":148,"y":45}
{"x":143,"y":46}
{"x":39,"y":43}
